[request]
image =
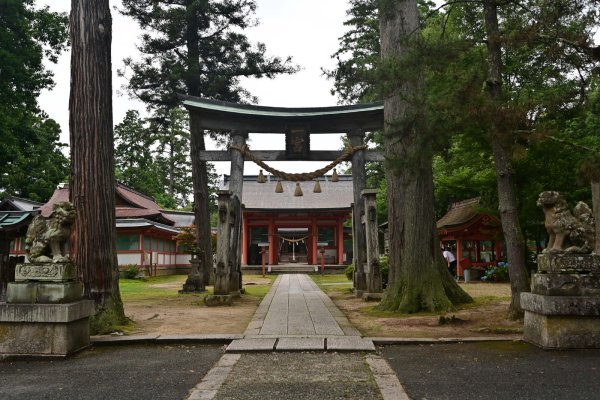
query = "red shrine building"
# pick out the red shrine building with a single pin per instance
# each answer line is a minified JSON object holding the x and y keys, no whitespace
{"x":296,"y":222}
{"x":475,"y":236}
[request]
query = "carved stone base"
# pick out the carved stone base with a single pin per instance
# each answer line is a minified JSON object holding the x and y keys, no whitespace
{"x":47,"y":272}
{"x":566,"y":284}
{"x":372,"y":296}
{"x":561,"y":322}
{"x":215,"y":300}
{"x":193,"y":284}
{"x":562,"y":331}
{"x":42,"y":292}
{"x":44,"y":329}
{"x":568,"y":263}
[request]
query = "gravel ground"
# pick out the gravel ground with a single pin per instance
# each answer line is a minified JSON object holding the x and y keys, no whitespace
{"x":504,"y":370}
{"x":115,"y":372}
{"x":307,"y":375}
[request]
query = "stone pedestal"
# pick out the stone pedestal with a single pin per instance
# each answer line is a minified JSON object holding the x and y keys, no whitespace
{"x":44,"y":314}
{"x":194,"y":282}
{"x":563,"y":309}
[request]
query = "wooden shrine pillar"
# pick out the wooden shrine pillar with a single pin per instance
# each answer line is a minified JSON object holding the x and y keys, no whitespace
{"x":459,"y":256}
{"x":340,"y":240}
{"x":236,"y":181}
{"x":272,"y":241}
{"x":314,"y":238}
{"x":358,"y":232}
{"x":372,"y":269}
{"x":245,"y":239}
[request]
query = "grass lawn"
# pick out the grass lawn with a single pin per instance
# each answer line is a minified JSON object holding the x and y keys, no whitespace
{"x":156,"y":307}
{"x":332,"y":282}
{"x":485,"y":317}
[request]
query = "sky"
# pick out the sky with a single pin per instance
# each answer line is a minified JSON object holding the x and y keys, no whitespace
{"x":307,"y":30}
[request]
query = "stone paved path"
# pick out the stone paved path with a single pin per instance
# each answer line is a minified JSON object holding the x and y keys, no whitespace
{"x":297,"y":315}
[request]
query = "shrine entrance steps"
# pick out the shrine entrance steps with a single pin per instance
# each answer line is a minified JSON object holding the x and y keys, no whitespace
{"x":297,"y":316}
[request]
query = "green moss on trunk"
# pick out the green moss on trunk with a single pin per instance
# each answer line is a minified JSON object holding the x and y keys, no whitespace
{"x":109,"y":318}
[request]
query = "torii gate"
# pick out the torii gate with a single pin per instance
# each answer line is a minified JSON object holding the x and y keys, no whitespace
{"x":297,"y":124}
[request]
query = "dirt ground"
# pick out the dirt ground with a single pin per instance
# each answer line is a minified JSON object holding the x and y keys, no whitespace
{"x":486,"y":317}
{"x":187,"y":314}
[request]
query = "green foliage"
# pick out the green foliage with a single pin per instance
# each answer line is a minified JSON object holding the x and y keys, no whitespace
{"x":131,"y":272}
{"x":152,"y":156}
{"x":496,"y":273}
{"x":197,"y":48}
{"x":31,"y":161}
{"x":384,"y":268}
{"x":349,"y":272}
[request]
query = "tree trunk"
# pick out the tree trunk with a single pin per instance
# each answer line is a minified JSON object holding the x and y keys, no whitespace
{"x":199,"y":169}
{"x":501,"y":145}
{"x":419,"y":279}
{"x":201,"y":200}
{"x":596,"y":211}
{"x":92,"y":180}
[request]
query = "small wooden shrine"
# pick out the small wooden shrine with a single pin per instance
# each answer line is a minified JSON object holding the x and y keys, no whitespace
{"x":474,"y":236}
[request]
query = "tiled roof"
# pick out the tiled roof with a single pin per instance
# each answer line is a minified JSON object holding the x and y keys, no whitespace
{"x":144,"y":223}
{"x":262,"y":196}
{"x":181,"y":218}
{"x":459,"y":213}
{"x":140,"y":204}
{"x":12,"y":203}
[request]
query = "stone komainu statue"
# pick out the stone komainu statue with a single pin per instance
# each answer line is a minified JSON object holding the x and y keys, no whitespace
{"x":46,"y":237}
{"x":572,"y":232}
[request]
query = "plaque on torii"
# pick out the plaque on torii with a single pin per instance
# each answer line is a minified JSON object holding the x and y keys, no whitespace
{"x":297,"y":124}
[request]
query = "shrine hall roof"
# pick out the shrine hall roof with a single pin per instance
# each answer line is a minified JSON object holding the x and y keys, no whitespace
{"x":262,"y":196}
{"x":459,"y":213}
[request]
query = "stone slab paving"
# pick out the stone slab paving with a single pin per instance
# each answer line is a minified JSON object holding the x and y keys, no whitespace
{"x":254,"y":344}
{"x":299,"y":316}
{"x":300,"y":375}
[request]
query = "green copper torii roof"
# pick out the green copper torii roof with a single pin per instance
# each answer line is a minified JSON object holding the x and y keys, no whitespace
{"x":222,"y":115}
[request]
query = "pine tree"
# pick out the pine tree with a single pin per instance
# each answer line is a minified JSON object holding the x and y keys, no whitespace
{"x":197,"y":48}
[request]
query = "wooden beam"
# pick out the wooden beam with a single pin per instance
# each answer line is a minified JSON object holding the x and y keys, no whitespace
{"x":279,"y":155}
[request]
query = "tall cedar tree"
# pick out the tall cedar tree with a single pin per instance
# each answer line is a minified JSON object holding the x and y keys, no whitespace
{"x":197,"y":48}
{"x":31,"y":161}
{"x":92,"y":183}
{"x":419,"y":279}
{"x":547,"y":47}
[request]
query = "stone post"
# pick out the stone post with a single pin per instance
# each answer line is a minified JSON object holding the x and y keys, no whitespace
{"x":374,"y":290}
{"x":358,"y":233}
{"x":224,"y":264}
{"x":236,"y":182}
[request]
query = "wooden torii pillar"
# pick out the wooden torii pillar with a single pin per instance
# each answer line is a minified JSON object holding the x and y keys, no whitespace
{"x":228,"y":279}
{"x":374,"y":289}
{"x":359,"y":178}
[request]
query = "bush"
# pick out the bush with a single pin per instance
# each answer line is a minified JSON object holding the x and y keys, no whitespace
{"x":350,"y":272}
{"x":384,"y":267}
{"x":131,"y":272}
{"x":496,"y":273}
